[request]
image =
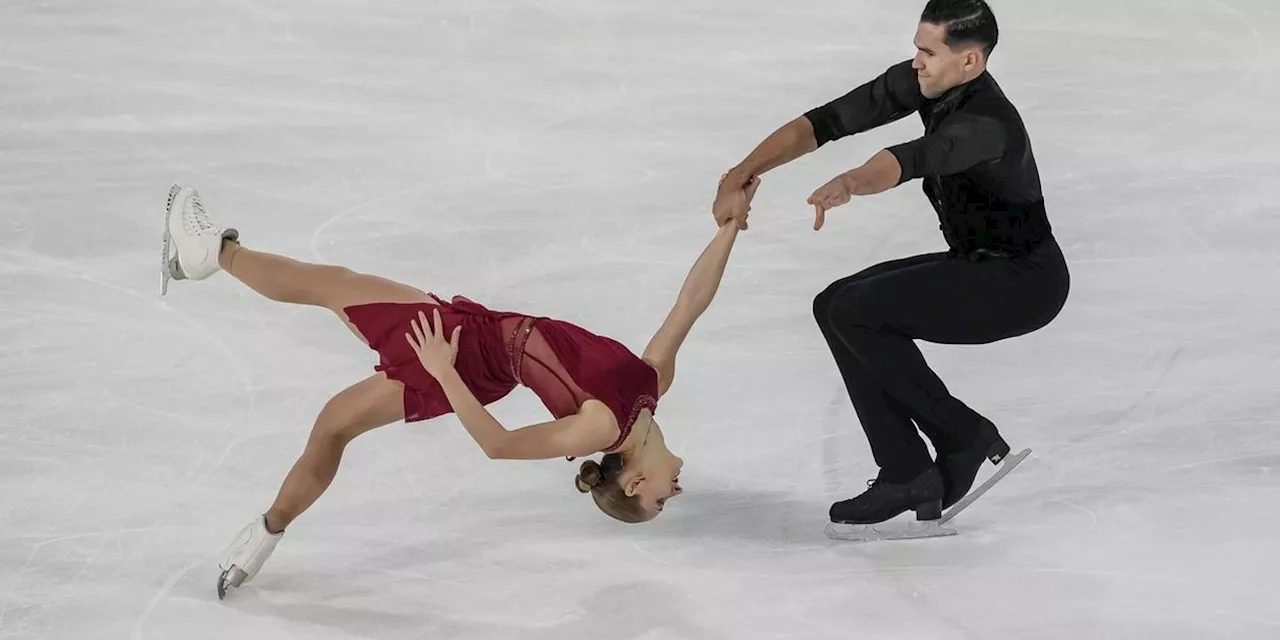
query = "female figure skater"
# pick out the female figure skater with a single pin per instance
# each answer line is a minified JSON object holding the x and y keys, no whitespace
{"x":438,"y":357}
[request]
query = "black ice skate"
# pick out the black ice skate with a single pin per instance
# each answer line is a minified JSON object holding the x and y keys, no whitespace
{"x":957,"y":468}
{"x":867,"y":516}
{"x":960,"y":466}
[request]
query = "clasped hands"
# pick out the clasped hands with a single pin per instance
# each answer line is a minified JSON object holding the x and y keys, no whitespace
{"x":734,"y":195}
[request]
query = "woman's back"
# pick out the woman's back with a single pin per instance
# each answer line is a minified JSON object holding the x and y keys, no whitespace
{"x":562,"y":363}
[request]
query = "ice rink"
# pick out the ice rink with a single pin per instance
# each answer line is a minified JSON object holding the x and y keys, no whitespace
{"x":559,"y":157}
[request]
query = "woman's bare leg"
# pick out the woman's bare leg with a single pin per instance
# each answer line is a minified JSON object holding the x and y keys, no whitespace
{"x":362,"y":407}
{"x":334,"y":287}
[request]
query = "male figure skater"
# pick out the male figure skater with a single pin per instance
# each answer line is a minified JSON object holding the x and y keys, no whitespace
{"x":1003,"y":275}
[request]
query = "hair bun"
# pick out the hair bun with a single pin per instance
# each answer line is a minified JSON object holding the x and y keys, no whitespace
{"x":589,"y":476}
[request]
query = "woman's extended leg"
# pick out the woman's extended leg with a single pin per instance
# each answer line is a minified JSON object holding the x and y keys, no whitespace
{"x":203,"y":247}
{"x":334,"y":287}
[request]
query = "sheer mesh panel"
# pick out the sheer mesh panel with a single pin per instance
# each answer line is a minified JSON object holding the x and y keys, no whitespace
{"x":566,"y":365}
{"x":542,"y":369}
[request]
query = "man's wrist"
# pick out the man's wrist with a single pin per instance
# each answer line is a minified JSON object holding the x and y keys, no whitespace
{"x":737,"y":177}
{"x":850,"y":179}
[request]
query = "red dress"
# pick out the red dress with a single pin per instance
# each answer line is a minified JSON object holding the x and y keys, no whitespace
{"x":563,"y":364}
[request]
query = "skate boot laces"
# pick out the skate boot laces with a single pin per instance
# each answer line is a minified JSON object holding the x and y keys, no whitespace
{"x":194,"y":220}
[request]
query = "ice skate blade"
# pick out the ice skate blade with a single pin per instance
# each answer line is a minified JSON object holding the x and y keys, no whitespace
{"x":891,"y":530}
{"x":1001,"y":471}
{"x":165,"y":274}
{"x":233,"y":577}
{"x":166,"y":261}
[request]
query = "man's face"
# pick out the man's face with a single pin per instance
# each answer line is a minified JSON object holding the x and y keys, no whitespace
{"x":938,"y":68}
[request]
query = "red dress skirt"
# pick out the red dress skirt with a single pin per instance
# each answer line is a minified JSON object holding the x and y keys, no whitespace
{"x":562,"y":363}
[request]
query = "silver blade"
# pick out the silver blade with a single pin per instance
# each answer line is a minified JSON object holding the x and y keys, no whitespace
{"x":891,"y":530}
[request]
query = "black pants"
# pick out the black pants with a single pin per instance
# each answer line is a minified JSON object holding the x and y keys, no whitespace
{"x":872,"y":319}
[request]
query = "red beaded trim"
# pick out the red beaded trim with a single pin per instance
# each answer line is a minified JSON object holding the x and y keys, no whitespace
{"x":515,"y":354}
{"x":645,"y":401}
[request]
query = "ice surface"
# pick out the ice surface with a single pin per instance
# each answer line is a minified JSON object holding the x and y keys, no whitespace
{"x":559,"y":157}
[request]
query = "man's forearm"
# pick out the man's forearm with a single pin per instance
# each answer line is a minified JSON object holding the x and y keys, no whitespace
{"x":789,"y":142}
{"x":881,"y":173}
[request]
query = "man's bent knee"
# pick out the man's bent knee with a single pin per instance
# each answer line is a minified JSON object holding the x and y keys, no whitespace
{"x":822,"y":303}
{"x":852,"y":306}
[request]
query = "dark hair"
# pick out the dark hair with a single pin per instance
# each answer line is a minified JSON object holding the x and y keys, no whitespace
{"x":968,"y":22}
{"x":601,"y":479}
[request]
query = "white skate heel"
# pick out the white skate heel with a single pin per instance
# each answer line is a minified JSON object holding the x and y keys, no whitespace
{"x":246,"y":554}
{"x":191,"y":242}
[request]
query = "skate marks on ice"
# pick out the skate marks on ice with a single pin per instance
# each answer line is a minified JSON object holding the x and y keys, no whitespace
{"x":900,"y":529}
{"x":169,"y":583}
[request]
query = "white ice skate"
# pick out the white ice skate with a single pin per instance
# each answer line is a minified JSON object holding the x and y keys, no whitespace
{"x":195,"y":241}
{"x":246,"y":554}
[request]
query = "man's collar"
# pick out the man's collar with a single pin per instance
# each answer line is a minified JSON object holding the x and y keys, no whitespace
{"x":955,"y":94}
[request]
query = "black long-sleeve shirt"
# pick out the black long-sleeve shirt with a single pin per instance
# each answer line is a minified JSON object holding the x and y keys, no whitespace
{"x":974,"y":159}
